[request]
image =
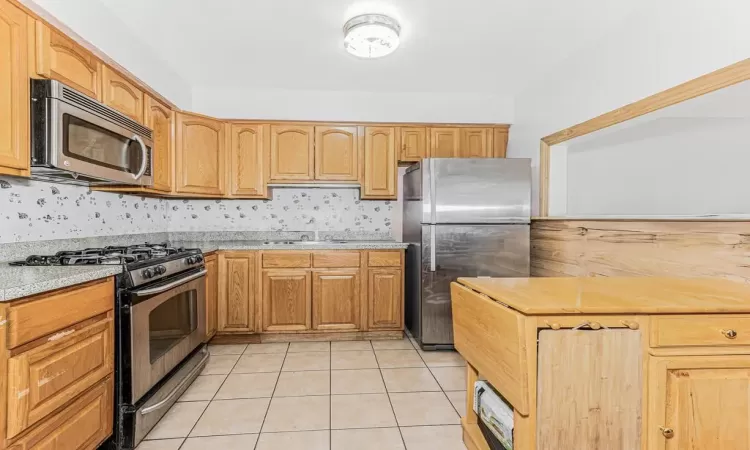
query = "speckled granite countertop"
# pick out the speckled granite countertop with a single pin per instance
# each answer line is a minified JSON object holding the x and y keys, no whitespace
{"x":211,"y":246}
{"x":17,"y":282}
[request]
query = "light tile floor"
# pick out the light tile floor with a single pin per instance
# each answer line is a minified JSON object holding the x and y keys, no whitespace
{"x":379,"y":395}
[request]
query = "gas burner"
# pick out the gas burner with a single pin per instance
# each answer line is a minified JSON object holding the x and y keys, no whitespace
{"x":110,"y":255}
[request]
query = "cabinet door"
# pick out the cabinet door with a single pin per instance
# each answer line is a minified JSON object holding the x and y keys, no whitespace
{"x":292,"y":153}
{"x":381,"y":166}
{"x":119,"y":93}
{"x":49,"y":376}
{"x":286,"y":300}
{"x":14,"y":86}
{"x":700,"y":403}
{"x":60,"y":58}
{"x":160,"y":118}
{"x":413,"y":144}
{"x":335,"y":300}
{"x":385,"y":302}
{"x":236,"y":306}
{"x":445,"y":142}
{"x":500,"y":142}
{"x":247,"y":160}
{"x":199,"y":155}
{"x":336,"y":153}
{"x":212,"y":295}
{"x":476,"y":143}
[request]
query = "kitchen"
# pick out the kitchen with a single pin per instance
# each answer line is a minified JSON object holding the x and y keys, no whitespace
{"x":278,"y":216}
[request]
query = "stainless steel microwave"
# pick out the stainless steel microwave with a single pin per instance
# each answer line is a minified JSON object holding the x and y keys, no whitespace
{"x":78,"y":140}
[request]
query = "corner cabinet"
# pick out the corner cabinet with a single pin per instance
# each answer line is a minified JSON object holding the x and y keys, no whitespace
{"x":248,"y":160}
{"x":336,"y":153}
{"x":14,"y":84}
{"x":160,"y":118}
{"x":292,"y":153}
{"x":212,"y":295}
{"x":199,"y":155}
{"x":380,"y":164}
{"x":237,"y":288}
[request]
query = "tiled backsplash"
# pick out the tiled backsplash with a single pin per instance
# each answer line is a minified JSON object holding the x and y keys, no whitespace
{"x":31,"y":210}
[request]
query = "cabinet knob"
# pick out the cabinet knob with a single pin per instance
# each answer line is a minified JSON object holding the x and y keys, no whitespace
{"x":667,"y":432}
{"x":553,"y":325}
{"x":595,"y":325}
{"x":729,"y":334}
{"x":630,"y":324}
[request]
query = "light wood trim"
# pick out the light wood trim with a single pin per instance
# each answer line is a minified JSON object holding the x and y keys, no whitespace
{"x":490,"y":337}
{"x":688,"y":330}
{"x":544,"y":161}
{"x":724,"y":77}
{"x":336,"y":259}
{"x":286,"y":259}
{"x":384,"y":258}
{"x":212,"y":295}
{"x":38,"y":316}
{"x":472,"y":376}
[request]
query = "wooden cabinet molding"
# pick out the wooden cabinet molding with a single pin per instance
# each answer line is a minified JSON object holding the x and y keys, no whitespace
{"x":248,"y":160}
{"x":336,"y":153}
{"x":14,"y":81}
{"x":200,"y":155}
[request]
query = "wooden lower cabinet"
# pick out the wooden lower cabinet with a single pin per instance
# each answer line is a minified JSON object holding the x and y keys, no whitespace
{"x":286,"y":300}
{"x":385,"y":301}
{"x":700,"y":403}
{"x":336,"y":300}
{"x":236,"y":305}
{"x":212,"y":295}
{"x":82,"y":425}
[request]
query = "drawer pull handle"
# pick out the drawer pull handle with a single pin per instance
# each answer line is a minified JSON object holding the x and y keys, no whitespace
{"x":631,"y":325}
{"x":729,"y":334}
{"x":553,"y":325}
{"x":667,"y":432}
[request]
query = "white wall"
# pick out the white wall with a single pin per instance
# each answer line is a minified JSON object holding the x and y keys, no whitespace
{"x":670,"y":42}
{"x":95,"y":23}
{"x":353,"y":106}
{"x":670,"y":166}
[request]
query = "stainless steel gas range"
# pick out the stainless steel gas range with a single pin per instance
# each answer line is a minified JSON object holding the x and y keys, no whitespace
{"x":160,"y":323}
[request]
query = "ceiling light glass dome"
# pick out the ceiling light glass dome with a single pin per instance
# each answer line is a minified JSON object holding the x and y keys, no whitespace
{"x":371,"y":35}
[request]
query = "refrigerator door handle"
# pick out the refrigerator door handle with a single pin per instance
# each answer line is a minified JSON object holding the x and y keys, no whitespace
{"x":433,"y":265}
{"x":433,"y":199}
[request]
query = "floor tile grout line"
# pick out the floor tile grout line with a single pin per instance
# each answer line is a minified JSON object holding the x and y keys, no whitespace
{"x":390,"y":402}
{"x":265,"y":416}
{"x":439,"y":385}
{"x":330,"y":397}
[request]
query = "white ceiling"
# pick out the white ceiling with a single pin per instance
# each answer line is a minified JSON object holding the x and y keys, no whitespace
{"x":488,"y":46}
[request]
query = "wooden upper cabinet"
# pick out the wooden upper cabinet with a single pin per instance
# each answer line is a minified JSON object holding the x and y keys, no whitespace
{"x":236,"y":305}
{"x":336,"y":153}
{"x":702,"y":402}
{"x":413,"y":144}
{"x":248,"y":156}
{"x":199,"y":155}
{"x":380,"y":164}
{"x":121,"y":94}
{"x":476,"y":143}
{"x":14,"y":91}
{"x":212,"y":295}
{"x":385,"y":301}
{"x":292,"y":153}
{"x":445,"y":142}
{"x":160,"y":118}
{"x":60,"y":58}
{"x":336,"y":300}
{"x":500,"y":142}
{"x":286,"y":300}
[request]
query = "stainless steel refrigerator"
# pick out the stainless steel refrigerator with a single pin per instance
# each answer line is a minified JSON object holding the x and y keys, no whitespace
{"x":463,"y":217}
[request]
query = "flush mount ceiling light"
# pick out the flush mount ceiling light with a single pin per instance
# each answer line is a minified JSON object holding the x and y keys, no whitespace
{"x":371,"y":35}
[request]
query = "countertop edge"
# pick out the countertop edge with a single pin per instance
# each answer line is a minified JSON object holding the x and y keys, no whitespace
{"x":26,"y":290}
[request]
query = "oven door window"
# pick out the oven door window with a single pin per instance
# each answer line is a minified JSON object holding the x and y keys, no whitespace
{"x":91,"y":143}
{"x":171,"y":322}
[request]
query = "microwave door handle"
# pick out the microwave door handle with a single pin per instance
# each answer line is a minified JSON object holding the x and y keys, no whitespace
{"x":166,"y":287}
{"x":144,"y":157}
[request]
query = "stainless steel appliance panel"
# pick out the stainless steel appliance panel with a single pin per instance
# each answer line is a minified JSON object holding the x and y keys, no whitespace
{"x":412,"y":234}
{"x":454,"y":251}
{"x":476,"y":190}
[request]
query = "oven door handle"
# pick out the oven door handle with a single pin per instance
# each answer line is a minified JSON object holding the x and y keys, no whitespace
{"x":166,"y":287}
{"x":173,"y":392}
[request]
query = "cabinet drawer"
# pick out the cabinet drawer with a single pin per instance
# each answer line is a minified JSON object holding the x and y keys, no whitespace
{"x":47,"y":377}
{"x":47,"y":313}
{"x":82,"y":425}
{"x":286,"y":259}
{"x":384,"y":259}
{"x":336,"y":259}
{"x":679,"y":331}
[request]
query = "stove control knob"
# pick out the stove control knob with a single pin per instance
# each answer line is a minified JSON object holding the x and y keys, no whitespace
{"x":191,"y":260}
{"x":160,"y":270}
{"x":198,"y":258}
{"x":147,"y":273}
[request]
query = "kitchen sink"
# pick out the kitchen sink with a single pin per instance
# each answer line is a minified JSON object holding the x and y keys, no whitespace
{"x":303,"y":242}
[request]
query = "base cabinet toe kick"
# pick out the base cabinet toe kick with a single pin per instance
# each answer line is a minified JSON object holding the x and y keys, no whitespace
{"x":629,"y":380}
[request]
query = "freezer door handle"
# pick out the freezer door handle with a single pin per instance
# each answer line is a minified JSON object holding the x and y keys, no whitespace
{"x":432,"y":249}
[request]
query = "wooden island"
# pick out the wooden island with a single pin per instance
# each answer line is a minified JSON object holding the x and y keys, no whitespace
{"x":609,"y":363}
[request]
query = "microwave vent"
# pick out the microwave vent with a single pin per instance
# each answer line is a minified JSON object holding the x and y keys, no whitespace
{"x":97,"y":108}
